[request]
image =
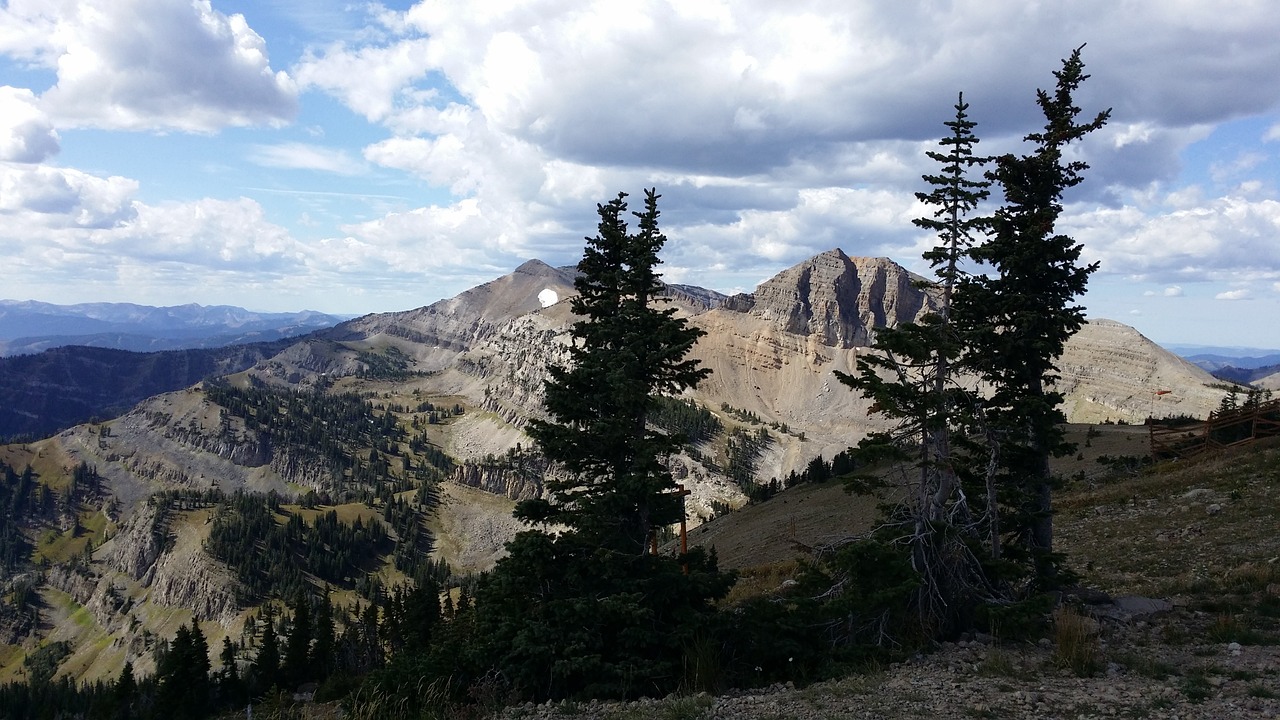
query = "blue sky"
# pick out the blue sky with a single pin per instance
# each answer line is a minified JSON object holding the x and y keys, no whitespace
{"x":351,"y":158}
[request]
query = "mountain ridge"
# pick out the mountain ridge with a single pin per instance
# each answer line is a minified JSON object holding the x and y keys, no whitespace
{"x":30,"y":326}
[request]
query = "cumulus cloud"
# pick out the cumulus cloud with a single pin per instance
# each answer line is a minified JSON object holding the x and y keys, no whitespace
{"x":1210,"y":240}
{"x":1174,"y":291}
{"x":1242,"y":294}
{"x":80,"y":232}
{"x":746,"y":114}
{"x":26,"y":134}
{"x":209,"y":233}
{"x":430,"y":239}
{"x":373,"y":81}
{"x":773,"y":130}
{"x":48,"y":197}
{"x":148,"y":64}
{"x":732,"y":88}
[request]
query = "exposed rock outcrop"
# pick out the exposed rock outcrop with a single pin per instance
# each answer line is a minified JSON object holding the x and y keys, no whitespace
{"x":517,"y":477}
{"x":188,"y":578}
{"x":837,"y":299}
{"x":137,"y":546}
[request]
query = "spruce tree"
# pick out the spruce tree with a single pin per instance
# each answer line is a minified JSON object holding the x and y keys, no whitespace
{"x":626,"y":352}
{"x":322,"y":651}
{"x":297,"y":649}
{"x":124,"y":694}
{"x":590,"y":610}
{"x":230,"y":685}
{"x":912,"y":379}
{"x":183,"y":674}
{"x":1017,"y":317}
{"x":265,"y":672}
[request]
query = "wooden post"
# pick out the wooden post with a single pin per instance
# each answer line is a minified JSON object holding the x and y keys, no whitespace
{"x":682,"y":493}
{"x":684,"y":530}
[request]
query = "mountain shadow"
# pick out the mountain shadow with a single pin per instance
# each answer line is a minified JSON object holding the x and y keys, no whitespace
{"x":50,"y":391}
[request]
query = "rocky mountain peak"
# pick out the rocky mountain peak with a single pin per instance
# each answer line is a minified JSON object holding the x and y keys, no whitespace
{"x":837,"y":299}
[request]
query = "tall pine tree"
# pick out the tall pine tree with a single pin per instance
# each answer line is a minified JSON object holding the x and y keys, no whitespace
{"x":1017,"y":317}
{"x":912,"y":379}
{"x":590,"y":611}
{"x":625,"y":353}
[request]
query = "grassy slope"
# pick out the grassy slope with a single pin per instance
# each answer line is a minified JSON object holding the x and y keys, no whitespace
{"x":1203,"y":534}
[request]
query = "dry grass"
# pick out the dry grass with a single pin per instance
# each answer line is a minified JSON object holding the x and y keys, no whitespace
{"x":1207,"y":527}
{"x":761,"y":580}
{"x":1076,"y":644}
{"x":788,"y":526}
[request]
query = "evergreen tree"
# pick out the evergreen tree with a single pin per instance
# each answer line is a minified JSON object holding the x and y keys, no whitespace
{"x":297,"y":649}
{"x":1017,"y":317}
{"x":183,"y":674}
{"x":265,"y":672}
{"x":322,"y":651}
{"x":421,"y":613}
{"x":124,"y":694}
{"x":590,"y":611}
{"x":911,"y":378}
{"x":230,"y":686}
{"x":626,"y":352}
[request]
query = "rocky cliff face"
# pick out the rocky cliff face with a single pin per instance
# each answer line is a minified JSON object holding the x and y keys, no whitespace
{"x":836,"y":299}
{"x":514,"y":477}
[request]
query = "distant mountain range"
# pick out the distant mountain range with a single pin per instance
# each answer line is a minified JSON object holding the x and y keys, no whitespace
{"x":1249,"y":366}
{"x":28,"y":326}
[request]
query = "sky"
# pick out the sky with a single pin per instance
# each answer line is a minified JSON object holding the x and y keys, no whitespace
{"x":351,"y":157}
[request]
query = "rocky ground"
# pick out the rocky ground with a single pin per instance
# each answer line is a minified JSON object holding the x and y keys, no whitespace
{"x":1139,"y":677}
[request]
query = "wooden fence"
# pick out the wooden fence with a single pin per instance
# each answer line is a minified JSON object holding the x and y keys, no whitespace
{"x":1223,"y":429}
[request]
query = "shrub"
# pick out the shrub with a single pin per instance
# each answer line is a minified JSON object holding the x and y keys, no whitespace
{"x":1076,"y":641}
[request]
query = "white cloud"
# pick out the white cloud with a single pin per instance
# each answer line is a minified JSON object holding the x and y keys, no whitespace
{"x":303,"y":156}
{"x":208,"y":233}
{"x":37,"y":196}
{"x":1213,"y":239}
{"x":773,"y":130}
{"x":590,"y":81}
{"x":1174,"y":291}
{"x":745,"y":114}
{"x":371,"y":80}
{"x":1242,"y":294}
{"x":429,"y":239}
{"x":66,"y":228}
{"x":148,"y":64}
{"x":1273,"y":133}
{"x":26,"y":134}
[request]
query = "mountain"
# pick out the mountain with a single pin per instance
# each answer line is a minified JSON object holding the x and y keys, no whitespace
{"x":1269,"y":382}
{"x":53,"y":390}
{"x":1110,"y":371}
{"x":30,"y":327}
{"x":1212,"y":361}
{"x":353,"y":419}
{"x":1245,"y":375}
{"x":837,"y":300}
